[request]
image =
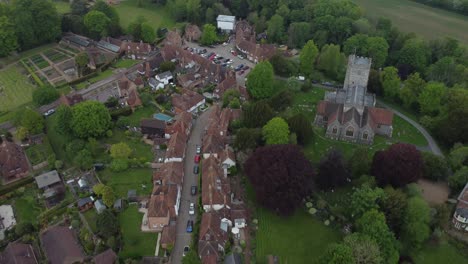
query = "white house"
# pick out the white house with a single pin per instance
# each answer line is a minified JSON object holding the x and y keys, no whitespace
{"x":226,"y":23}
{"x":155,"y":84}
{"x":165,"y":77}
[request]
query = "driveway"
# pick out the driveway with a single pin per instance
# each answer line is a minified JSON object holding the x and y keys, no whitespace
{"x":182,"y":237}
{"x":225,"y":51}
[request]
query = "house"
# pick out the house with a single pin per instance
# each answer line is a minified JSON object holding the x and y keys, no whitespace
{"x":188,"y":101}
{"x":99,"y":205}
{"x":256,"y":52}
{"x":169,"y":173}
{"x":239,"y":218}
{"x":129,"y":93}
{"x":229,"y":83}
{"x":71,"y":99}
{"x":14,"y":164}
{"x":349,"y":113}
{"x":84,"y":204}
{"x":227,"y":157}
{"x":138,"y":50}
{"x":7,"y":219}
{"x":173,"y":38}
{"x":182,"y":124}
{"x":106,"y":257}
{"x":158,"y":215}
{"x":460,"y":216}
{"x":168,"y":236}
{"x":154,"y":128}
{"x":152,"y":65}
{"x":61,"y":246}
{"x":18,"y":253}
{"x":165,"y":77}
{"x":192,"y":33}
{"x":176,"y":148}
{"x":213,"y":236}
{"x":216,"y":189}
{"x":226,"y":23}
{"x":155,"y":84}
{"x":48,"y":180}
{"x":212,"y":145}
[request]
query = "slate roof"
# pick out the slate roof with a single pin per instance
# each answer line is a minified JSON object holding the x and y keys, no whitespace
{"x":152,"y":123}
{"x":47,"y":179}
{"x":106,"y":257}
{"x":83,"y":201}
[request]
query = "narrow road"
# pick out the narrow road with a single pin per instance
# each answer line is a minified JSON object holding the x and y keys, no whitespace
{"x":182,"y":237}
{"x":432,"y":143}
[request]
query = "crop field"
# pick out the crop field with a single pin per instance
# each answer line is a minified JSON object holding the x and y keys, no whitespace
{"x":426,"y":21}
{"x":156,"y":16}
{"x":15,"y":88}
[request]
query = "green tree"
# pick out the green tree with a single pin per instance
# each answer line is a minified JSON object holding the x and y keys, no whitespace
{"x":79,"y":7}
{"x":431,"y":98}
{"x":107,"y":224}
{"x":458,"y":157}
{"x":390,"y":82}
{"x":167,"y":66}
{"x":459,"y":179}
{"x":148,"y":34}
{"x":247,"y":138}
{"x":411,"y":90}
{"x":111,"y":13}
{"x":364,"y":199}
{"x":414,"y":54}
{"x":260,"y":81}
{"x":64,"y":117}
{"x":435,"y":167}
{"x":45,"y":95}
{"x":360,"y":162}
{"x":416,"y":223}
{"x":120,"y":151}
{"x":337,"y":254}
{"x":31,"y":120}
{"x":393,"y":205}
{"x":275,"y":29}
{"x":83,"y":159}
{"x":307,"y":58}
{"x":365,"y":250}
{"x":449,"y":127}
{"x":372,"y":224}
{"x":98,"y":188}
{"x":276,"y":131}
{"x":81,"y":61}
{"x":301,"y":125}
{"x":8,"y":41}
{"x":108,"y":196}
{"x":257,"y":114}
{"x":298,"y":34}
{"x":208,"y":36}
{"x":332,"y":61}
{"x":377,"y":49}
{"x":97,"y":23}
{"x":119,"y":165}
{"x":193,"y":11}
{"x":356,"y":44}
{"x":90,"y":119}
{"x":135,"y":27}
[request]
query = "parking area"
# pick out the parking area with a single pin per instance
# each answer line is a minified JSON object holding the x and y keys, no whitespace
{"x":225,"y":52}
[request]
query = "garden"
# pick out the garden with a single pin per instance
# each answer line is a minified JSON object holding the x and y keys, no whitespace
{"x":38,"y":153}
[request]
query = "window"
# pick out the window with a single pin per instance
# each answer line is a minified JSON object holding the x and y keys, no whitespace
{"x":365,"y":135}
{"x":335,"y":130}
{"x":325,"y":118}
{"x":350,"y":132}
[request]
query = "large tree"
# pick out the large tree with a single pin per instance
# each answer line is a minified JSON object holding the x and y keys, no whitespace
{"x":45,"y":95}
{"x":81,"y":61}
{"x":414,"y":56}
{"x":435,"y":167}
{"x":111,"y":13}
{"x":307,"y":58}
{"x":8,"y":38}
{"x":431,"y":98}
{"x":275,"y":29}
{"x":257,"y":114}
{"x":393,"y":205}
{"x":332,"y":171}
{"x":365,"y":250}
{"x":301,"y":125}
{"x":208,"y":36}
{"x":416,"y":223}
{"x":298,"y":33}
{"x":390,"y":82}
{"x":260,"y":81}
{"x":281,"y":176}
{"x":148,"y":34}
{"x":337,"y":254}
{"x":107,"y":224}
{"x":459,"y":179}
{"x":30,"y":120}
{"x":332,"y":61}
{"x":398,"y":165}
{"x":64,"y":117}
{"x":90,"y":119}
{"x":451,"y":128}
{"x":247,"y":138}
{"x":411,"y":90}
{"x":97,"y":23}
{"x":120,"y":151}
{"x":276,"y":131}
{"x":364,"y":199}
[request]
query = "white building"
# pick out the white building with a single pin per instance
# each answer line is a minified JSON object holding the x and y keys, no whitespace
{"x":226,"y":23}
{"x":165,"y":77}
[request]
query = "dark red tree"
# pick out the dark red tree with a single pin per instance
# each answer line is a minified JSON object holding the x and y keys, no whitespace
{"x":333,"y":171}
{"x":281,"y":176}
{"x":398,"y":165}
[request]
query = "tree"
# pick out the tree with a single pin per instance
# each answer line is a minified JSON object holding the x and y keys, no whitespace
{"x":372,"y":224}
{"x":411,"y":90}
{"x":108,"y":196}
{"x":64,"y":116}
{"x":377,"y":49}
{"x":458,"y":157}
{"x":98,"y":188}
{"x":31,"y":120}
{"x":257,"y":114}
{"x":97,"y":23}
{"x":365,"y":199}
{"x":282,"y":99}
{"x":332,"y":61}
{"x":81,"y":61}
{"x":365,"y":250}
{"x":332,"y":171}
{"x":398,"y":165}
{"x":283,"y":66}
{"x":390,"y":82}
{"x":414,"y":55}
{"x":229,"y":95}
{"x":247,"y":138}
{"x":298,"y":34}
{"x":374,"y":84}
{"x":337,"y":254}
{"x":119,"y":165}
{"x":301,"y":125}
{"x":393,"y":205}
{"x":167,"y":66}
{"x":148,"y":34}
{"x":356,"y":44}
{"x":276,"y":131}
{"x":135,"y":27}
{"x":416,"y":223}
{"x":120,"y":151}
{"x":459,"y":179}
{"x":45,"y":95}
{"x":449,"y":127}
{"x":435,"y":167}
{"x":360,"y":162}
{"x":275,"y":29}
{"x":111,"y":13}
{"x":193,"y":11}
{"x":8,"y":37}
{"x":431,"y":98}
{"x":280,"y":183}
{"x":84,"y":159}
{"x":307,"y":58}
{"x":90,"y":119}
{"x":444,"y":70}
{"x":79,"y":7}
{"x":208,"y":36}
{"x":107,"y":224}
{"x":260,"y":81}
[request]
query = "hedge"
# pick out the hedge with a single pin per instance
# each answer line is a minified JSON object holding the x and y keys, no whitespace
{"x":15,"y":185}
{"x":124,"y":111}
{"x":33,"y":74}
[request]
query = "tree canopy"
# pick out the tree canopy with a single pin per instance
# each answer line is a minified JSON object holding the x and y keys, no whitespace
{"x":260,"y":81}
{"x":107,"y":224}
{"x":8,"y":38}
{"x":90,"y":119}
{"x":120,"y":151}
{"x":332,"y":171}
{"x":390,"y":82}
{"x":416,"y":223}
{"x":97,"y":23}
{"x":300,"y":125}
{"x":307,"y":58}
{"x":208,"y":36}
{"x":45,"y":95}
{"x":276,"y":131}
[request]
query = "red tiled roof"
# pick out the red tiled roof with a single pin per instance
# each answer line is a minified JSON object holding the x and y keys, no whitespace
{"x":210,"y":259}
{"x":176,"y":146}
{"x":106,"y":257}
{"x":186,"y":100}
{"x":18,"y":253}
{"x":214,"y":185}
{"x":13,"y":161}
{"x":61,"y":245}
{"x":168,"y":236}
{"x":381,"y":116}
{"x":157,"y":206}
{"x":170,"y":172}
{"x":181,"y":125}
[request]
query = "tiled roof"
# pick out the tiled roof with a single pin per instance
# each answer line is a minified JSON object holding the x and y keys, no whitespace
{"x":170,"y":173}
{"x":61,"y":245}
{"x":176,"y":146}
{"x":381,"y":116}
{"x":181,"y":125}
{"x":168,"y":235}
{"x":106,"y":257}
{"x":13,"y":161}
{"x":152,"y":123}
{"x":18,"y":253}
{"x":215,"y":187}
{"x":157,"y":206}
{"x":186,"y":100}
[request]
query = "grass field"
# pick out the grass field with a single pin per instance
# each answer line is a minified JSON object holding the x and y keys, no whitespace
{"x":155,"y":15}
{"x":27,"y":207}
{"x":15,"y":88}
{"x":294,"y":239}
{"x":135,"y":243}
{"x":130,"y":179}
{"x":140,"y":113}
{"x":443,"y":253}
{"x":426,"y":21}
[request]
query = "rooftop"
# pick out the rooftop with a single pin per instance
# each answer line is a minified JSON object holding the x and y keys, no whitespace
{"x":225,"y":18}
{"x":47,"y":179}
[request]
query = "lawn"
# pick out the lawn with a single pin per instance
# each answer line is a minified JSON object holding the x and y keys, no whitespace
{"x":125,"y":63}
{"x":39,"y":152}
{"x":410,"y":16}
{"x":132,"y":178}
{"x":91,"y":218}
{"x":101,"y":76}
{"x":443,"y":253}
{"x":405,"y":132}
{"x":15,"y":88}
{"x":62,"y":7}
{"x":294,"y":239}
{"x":157,"y":16}
{"x":27,"y":207}
{"x":140,"y":113}
{"x":135,"y":243}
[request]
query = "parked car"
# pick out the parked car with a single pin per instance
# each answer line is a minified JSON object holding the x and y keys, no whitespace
{"x":186,"y":250}
{"x":197,"y":158}
{"x":241,"y":72}
{"x":225,"y":44}
{"x":226,"y":60}
{"x":220,"y":58}
{"x":240,"y":57}
{"x":195,"y":169}
{"x":50,"y":112}
{"x":191,"y":210}
{"x":245,"y":68}
{"x":198,"y":149}
{"x":239,"y":67}
{"x":193,"y":190}
{"x":189,"y":226}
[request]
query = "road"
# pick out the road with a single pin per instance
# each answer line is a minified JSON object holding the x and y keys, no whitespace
{"x":182,"y":237}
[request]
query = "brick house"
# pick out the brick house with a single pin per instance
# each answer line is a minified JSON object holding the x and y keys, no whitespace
{"x":154,"y":128}
{"x":213,"y":237}
{"x":460,"y":216}
{"x":188,"y":101}
{"x":14,"y":164}
{"x":138,"y":50}
{"x":215,"y":186}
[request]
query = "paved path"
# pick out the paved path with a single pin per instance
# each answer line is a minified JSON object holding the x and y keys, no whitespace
{"x":182,"y":237}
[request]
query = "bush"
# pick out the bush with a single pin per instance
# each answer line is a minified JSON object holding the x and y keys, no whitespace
{"x":124,"y":111}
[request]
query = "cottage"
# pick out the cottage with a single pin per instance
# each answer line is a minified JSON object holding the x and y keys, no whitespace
{"x":61,"y":246}
{"x":129,"y":93}
{"x":158,"y":215}
{"x":188,"y":101}
{"x":169,"y":173}
{"x":226,"y":23}
{"x":154,"y":128}
{"x":213,"y":237}
{"x":18,"y":253}
{"x":14,"y":164}
{"x":106,"y":257}
{"x":84,"y":204}
{"x":460,"y":216}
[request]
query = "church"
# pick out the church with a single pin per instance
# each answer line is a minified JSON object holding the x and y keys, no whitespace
{"x":349,"y":113}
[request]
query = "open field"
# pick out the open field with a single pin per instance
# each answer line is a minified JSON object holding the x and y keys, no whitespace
{"x":135,"y":243}
{"x":156,"y":16}
{"x":426,"y":21}
{"x":15,"y":88}
{"x":293,"y":239}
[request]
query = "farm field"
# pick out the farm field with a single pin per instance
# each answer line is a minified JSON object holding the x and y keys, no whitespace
{"x":410,"y":16}
{"x":15,"y":88}
{"x":156,"y":16}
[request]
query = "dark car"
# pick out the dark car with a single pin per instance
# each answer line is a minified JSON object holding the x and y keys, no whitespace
{"x":246,"y":68}
{"x":195,"y":169}
{"x":220,"y":58}
{"x":189,"y":226}
{"x":193,"y":190}
{"x":241,"y":72}
{"x":211,"y":46}
{"x":226,"y":60}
